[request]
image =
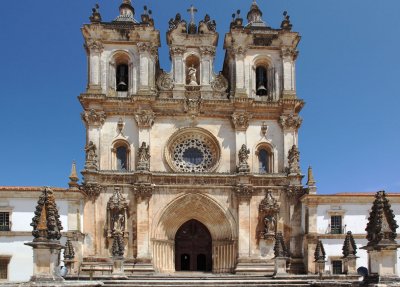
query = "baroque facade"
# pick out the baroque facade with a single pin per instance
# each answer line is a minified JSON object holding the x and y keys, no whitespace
{"x":192,"y":149}
{"x":193,"y":170}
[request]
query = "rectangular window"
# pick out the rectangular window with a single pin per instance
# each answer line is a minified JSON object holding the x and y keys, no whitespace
{"x":337,"y":266}
{"x":4,"y":221}
{"x":336,"y":224}
{"x":4,"y":261}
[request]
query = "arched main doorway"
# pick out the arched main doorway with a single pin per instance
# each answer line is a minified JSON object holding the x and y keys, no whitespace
{"x":193,"y":247}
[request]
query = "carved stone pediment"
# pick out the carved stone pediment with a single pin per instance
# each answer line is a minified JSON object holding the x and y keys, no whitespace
{"x":145,"y":118}
{"x":93,"y":117}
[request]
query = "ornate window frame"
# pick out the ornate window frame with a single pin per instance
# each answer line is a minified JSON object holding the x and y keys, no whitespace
{"x":272,"y":165}
{"x":181,"y":137}
{"x":116,"y":144}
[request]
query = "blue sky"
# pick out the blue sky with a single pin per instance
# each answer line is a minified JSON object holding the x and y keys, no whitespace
{"x":348,"y":72}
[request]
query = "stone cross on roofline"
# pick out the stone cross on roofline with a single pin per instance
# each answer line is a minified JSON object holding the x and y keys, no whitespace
{"x":192,"y":10}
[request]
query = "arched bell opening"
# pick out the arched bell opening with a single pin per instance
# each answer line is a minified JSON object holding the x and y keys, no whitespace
{"x":193,"y":247}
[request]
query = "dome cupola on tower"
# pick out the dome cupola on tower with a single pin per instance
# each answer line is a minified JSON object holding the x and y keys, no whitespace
{"x":254,"y":16}
{"x":127,"y":12}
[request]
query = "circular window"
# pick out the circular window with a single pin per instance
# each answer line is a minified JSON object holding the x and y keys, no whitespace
{"x":192,"y":150}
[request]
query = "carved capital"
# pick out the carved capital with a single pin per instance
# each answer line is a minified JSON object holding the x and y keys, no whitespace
{"x":244,"y":192}
{"x":94,"y":46}
{"x":207,"y":51}
{"x":147,"y":47}
{"x":93,"y":117}
{"x":240,"y":120}
{"x":145,"y":118}
{"x":238,"y":51}
{"x":290,"y":122}
{"x":143,"y":191}
{"x":92,"y":190}
{"x":177,"y":51}
{"x":192,"y":106}
{"x":289,"y":52}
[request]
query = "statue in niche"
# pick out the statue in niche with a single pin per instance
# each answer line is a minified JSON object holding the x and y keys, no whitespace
{"x":117,"y":213}
{"x":119,"y":224}
{"x":144,"y":157}
{"x":268,"y":214}
{"x":192,"y":76}
{"x":91,"y":162}
{"x":269,"y":225}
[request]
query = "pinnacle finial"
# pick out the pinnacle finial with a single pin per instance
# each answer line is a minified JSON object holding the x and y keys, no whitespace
{"x":311,"y":180}
{"x":73,"y":176}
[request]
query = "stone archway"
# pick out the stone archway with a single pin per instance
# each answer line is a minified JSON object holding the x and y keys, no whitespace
{"x":200,"y":207}
{"x":193,"y":247}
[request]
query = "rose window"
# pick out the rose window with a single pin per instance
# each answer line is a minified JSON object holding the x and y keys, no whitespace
{"x":193,"y":150}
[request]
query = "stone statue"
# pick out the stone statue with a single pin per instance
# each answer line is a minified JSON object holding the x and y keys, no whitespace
{"x":119,"y":224}
{"x":144,"y":157}
{"x":269,"y":224}
{"x":243,"y":158}
{"x":91,"y":156}
{"x":192,"y":76}
{"x":294,"y":160}
{"x":207,"y":25}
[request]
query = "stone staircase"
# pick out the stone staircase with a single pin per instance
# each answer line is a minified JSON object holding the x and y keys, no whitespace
{"x":197,"y":279}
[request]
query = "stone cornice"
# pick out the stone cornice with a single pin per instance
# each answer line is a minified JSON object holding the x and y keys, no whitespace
{"x":346,"y":198}
{"x":187,"y":180}
{"x":217,"y":108}
{"x":34,"y":192}
{"x":315,"y":236}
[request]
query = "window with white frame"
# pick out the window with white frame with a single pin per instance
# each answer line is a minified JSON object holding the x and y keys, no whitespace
{"x":5,"y":221}
{"x":336,"y":224}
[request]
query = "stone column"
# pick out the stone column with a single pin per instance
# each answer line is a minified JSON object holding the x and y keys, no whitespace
{"x":94,"y":48}
{"x":147,"y":56}
{"x":244,"y":193}
{"x":290,"y":123}
{"x":289,"y":55}
{"x":144,"y":258}
{"x":240,"y":91}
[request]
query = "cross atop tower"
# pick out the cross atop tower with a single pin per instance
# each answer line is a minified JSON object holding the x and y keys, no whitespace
{"x":192,"y":10}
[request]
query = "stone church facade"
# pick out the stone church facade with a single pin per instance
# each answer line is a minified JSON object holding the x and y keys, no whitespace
{"x":192,"y":146}
{"x":192,"y":169}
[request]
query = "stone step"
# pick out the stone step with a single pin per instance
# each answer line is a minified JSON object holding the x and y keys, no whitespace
{"x":204,"y":283}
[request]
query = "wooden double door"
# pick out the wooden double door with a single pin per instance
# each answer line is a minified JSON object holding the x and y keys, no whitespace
{"x":193,"y":247}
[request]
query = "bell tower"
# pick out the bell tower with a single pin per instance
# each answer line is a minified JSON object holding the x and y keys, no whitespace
{"x":192,"y":51}
{"x":260,"y":60}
